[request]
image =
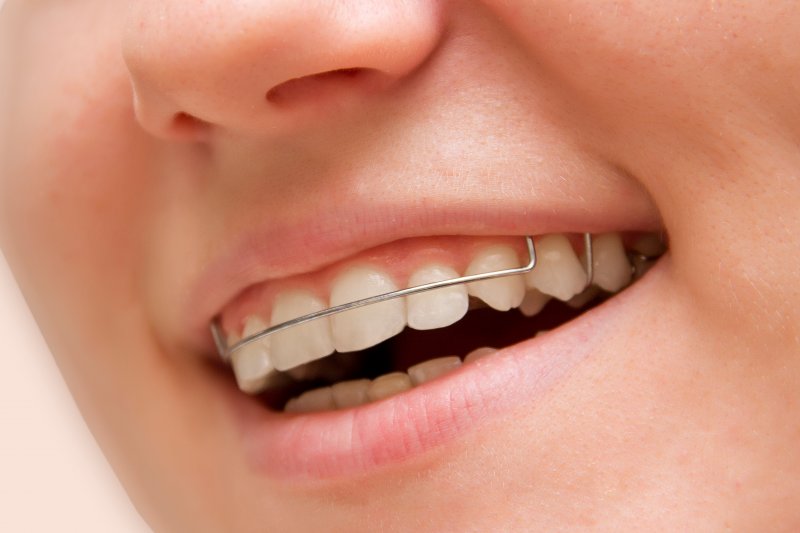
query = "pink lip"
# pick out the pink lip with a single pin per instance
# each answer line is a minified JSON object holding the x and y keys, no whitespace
{"x":325,"y":238}
{"x":350,"y":442}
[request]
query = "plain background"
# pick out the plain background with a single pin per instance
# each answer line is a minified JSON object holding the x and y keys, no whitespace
{"x":53,"y":477}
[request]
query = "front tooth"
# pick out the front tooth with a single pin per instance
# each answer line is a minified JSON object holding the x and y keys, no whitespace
{"x":437,"y":308}
{"x":251,"y":363}
{"x":499,"y":293}
{"x":388,"y":385}
{"x":558,"y":271}
{"x":612,"y":271}
{"x":351,"y":393}
{"x":533,"y":303}
{"x":433,"y":368}
{"x":366,"y":326}
{"x":303,"y":343}
{"x":314,"y":400}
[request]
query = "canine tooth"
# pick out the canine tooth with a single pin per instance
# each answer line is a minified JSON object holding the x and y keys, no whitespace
{"x":300,"y":344}
{"x":499,"y":293}
{"x":558,"y":271}
{"x":433,"y":368}
{"x":479,"y":353}
{"x":367,"y":326}
{"x":388,"y":385}
{"x":437,"y":308}
{"x":350,"y":393}
{"x":251,"y":363}
{"x":320,"y":399}
{"x":612,"y":271}
{"x":533,"y":303}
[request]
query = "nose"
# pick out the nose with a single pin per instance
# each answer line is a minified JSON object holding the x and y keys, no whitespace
{"x":258,"y":65}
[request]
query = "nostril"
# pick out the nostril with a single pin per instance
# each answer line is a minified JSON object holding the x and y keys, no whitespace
{"x":323,"y":84}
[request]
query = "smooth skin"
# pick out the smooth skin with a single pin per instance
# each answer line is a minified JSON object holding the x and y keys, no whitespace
{"x":141,"y":136}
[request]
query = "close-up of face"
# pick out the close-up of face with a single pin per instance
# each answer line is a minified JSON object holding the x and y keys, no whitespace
{"x":176,"y":177}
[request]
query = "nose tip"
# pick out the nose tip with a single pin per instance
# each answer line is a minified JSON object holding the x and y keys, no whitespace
{"x":250,"y":66}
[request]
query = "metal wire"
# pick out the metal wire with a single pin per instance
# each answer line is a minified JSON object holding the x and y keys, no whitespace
{"x":225,"y":351}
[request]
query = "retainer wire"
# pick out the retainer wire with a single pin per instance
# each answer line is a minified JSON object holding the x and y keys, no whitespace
{"x":225,"y":351}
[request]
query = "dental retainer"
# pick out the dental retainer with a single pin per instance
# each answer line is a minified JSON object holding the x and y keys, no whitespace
{"x":225,"y":351}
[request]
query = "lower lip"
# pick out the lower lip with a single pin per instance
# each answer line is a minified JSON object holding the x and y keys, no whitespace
{"x":340,"y":444}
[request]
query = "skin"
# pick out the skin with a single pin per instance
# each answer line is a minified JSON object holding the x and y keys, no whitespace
{"x":686,"y":415}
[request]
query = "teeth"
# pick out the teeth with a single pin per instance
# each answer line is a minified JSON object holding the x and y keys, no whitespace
{"x":351,"y":393}
{"x":612,"y":271}
{"x":533,"y":303}
{"x":299,"y":344}
{"x":367,"y":326}
{"x":433,"y":368}
{"x":437,"y":308}
{"x":314,"y":400}
{"x":251,"y":363}
{"x":558,"y":270}
{"x":479,"y":353}
{"x":388,"y":385}
{"x":499,"y":293}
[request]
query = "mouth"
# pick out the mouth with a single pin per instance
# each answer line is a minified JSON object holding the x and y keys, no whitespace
{"x":367,"y":355}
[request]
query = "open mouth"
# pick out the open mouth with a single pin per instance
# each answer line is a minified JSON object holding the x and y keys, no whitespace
{"x":369,"y":354}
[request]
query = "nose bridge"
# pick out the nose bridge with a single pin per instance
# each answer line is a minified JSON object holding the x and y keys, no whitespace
{"x":217,"y":62}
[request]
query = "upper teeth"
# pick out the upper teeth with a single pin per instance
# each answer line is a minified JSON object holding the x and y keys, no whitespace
{"x":559,"y":273}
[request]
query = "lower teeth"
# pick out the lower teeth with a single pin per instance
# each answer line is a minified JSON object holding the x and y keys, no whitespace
{"x":353,"y":393}
{"x":342,"y":381}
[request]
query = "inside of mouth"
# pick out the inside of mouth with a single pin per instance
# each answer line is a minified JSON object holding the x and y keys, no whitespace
{"x":481,"y":327}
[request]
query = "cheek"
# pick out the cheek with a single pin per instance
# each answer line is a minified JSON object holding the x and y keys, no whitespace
{"x":74,"y":185}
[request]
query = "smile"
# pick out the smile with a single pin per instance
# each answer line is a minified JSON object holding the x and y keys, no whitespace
{"x":351,"y":335}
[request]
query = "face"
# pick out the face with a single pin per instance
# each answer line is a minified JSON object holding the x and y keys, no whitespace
{"x":170,"y":163}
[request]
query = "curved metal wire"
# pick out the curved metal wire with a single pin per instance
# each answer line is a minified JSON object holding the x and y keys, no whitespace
{"x":225,"y":351}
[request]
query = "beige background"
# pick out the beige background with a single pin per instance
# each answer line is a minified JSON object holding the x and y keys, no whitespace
{"x":53,"y":477}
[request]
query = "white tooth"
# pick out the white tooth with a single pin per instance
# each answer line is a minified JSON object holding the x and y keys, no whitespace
{"x":251,"y":363}
{"x":437,"y":308}
{"x":303,"y":343}
{"x":533,"y":303}
{"x":579,"y":300}
{"x":479,"y":353}
{"x":366,"y":326}
{"x":433,"y":368}
{"x":499,"y":293}
{"x":351,"y":393}
{"x":314,"y":400}
{"x":388,"y":385}
{"x":612,"y":271}
{"x":558,"y":271}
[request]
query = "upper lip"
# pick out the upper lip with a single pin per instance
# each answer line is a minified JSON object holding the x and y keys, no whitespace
{"x":277,"y":249}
